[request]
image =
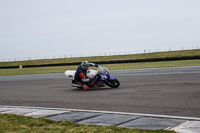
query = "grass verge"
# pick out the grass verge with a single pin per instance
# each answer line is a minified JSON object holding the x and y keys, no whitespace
{"x":62,"y":69}
{"x":10,"y":123}
{"x":181,"y":53}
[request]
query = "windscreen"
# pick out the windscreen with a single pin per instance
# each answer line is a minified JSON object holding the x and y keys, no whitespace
{"x":100,"y":70}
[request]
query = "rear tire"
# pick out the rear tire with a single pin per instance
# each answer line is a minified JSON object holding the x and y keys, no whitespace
{"x":113,"y":83}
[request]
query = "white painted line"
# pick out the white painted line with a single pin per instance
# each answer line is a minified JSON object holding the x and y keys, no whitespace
{"x":138,"y":114}
{"x":188,"y":127}
{"x":106,"y":112}
{"x":45,"y":113}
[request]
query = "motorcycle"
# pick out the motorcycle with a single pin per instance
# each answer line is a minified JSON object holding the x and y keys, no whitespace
{"x":101,"y":78}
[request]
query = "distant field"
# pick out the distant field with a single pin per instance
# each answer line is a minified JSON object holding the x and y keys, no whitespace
{"x":62,"y":69}
{"x":106,"y":58}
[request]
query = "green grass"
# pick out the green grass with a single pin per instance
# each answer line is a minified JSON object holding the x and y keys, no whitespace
{"x":62,"y":69}
{"x":58,"y":69}
{"x":106,"y":58}
{"x":10,"y":123}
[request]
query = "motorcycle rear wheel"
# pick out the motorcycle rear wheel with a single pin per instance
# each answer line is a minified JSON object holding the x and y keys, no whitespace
{"x":113,"y":83}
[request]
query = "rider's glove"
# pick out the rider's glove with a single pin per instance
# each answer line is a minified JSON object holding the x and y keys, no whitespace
{"x":96,"y":65}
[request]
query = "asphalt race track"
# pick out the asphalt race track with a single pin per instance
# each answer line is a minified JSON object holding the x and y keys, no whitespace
{"x":164,"y":91}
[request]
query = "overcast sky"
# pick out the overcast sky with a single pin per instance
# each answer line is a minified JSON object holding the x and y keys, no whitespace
{"x":54,"y":28}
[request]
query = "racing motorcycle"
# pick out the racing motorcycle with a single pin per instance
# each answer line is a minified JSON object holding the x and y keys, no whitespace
{"x":101,"y":78}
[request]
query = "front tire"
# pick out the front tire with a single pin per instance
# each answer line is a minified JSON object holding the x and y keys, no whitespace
{"x":113,"y":83}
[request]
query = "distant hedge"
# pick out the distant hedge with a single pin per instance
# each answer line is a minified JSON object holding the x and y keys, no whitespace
{"x":111,"y":62}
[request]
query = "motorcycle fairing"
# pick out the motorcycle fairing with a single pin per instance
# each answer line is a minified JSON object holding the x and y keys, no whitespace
{"x":111,"y":78}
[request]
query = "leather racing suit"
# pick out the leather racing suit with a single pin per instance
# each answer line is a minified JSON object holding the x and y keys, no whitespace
{"x":80,"y":76}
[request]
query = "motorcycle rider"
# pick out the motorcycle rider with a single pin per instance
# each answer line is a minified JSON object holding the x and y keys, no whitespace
{"x":80,"y":75}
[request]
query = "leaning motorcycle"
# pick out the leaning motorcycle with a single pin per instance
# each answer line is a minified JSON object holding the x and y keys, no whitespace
{"x":101,"y":78}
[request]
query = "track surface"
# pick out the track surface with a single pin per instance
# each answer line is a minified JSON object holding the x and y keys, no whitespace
{"x":164,"y":91}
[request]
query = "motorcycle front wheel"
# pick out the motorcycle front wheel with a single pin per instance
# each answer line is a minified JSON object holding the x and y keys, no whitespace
{"x":112,"y":83}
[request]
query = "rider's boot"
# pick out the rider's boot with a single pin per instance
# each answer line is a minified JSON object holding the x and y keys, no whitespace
{"x":75,"y":84}
{"x":85,"y":87}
